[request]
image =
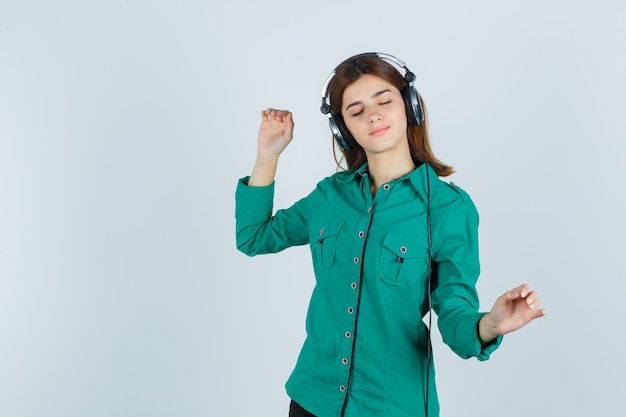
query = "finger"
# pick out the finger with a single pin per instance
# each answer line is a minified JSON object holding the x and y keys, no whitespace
{"x":535,"y":304}
{"x":538,"y":313}
{"x":266,"y":114}
{"x":513,"y":294}
{"x":289,"y":120}
{"x":531,"y":297}
{"x":524,"y":290}
{"x":275,"y":114}
{"x":282,"y":115}
{"x":521,"y":291}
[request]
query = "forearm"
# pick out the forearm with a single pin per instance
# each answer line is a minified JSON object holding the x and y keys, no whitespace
{"x":264,"y":171}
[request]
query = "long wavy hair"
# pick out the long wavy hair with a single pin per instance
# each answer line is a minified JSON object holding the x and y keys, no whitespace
{"x":350,"y":71}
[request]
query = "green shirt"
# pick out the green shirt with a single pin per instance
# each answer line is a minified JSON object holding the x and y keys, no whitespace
{"x":366,"y":348}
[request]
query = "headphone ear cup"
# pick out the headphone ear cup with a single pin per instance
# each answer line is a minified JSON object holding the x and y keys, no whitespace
{"x":341,"y":133}
{"x":413,"y":105}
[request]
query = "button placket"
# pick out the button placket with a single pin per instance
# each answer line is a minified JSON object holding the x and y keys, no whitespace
{"x":347,"y":345}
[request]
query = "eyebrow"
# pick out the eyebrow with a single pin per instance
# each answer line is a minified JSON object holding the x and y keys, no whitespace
{"x":356,"y":103}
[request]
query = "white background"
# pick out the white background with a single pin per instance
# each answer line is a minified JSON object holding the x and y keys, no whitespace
{"x":124,"y":126}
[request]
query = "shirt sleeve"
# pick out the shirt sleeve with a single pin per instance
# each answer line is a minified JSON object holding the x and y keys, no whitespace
{"x":260,"y":232}
{"x":456,"y":269}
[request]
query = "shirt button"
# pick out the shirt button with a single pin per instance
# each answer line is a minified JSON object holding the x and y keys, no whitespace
{"x":348,"y":335}
{"x":350,"y":310}
{"x":356,"y":259}
{"x":386,"y":187}
{"x":344,"y":361}
{"x":369,"y":209}
{"x":322,"y":231}
{"x":361,"y":233}
{"x":403,"y":249}
{"x":353,"y":285}
{"x":342,"y":388}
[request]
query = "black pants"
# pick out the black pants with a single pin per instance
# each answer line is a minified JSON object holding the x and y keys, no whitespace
{"x":295,"y":410}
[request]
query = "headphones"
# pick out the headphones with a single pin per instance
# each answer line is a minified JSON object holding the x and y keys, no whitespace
{"x":412,"y":102}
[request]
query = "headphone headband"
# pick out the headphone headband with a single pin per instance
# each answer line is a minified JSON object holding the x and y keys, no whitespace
{"x":415,"y":114}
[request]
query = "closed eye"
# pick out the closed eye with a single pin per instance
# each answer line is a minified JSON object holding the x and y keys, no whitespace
{"x":384,"y":103}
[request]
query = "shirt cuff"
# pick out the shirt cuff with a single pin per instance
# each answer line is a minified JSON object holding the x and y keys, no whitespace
{"x":487,"y":348}
{"x":253,"y":204}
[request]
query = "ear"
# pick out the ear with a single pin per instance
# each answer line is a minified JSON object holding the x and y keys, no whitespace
{"x":413,"y":105}
{"x":342,"y":135}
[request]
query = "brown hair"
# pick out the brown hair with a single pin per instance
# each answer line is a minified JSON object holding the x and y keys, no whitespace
{"x":350,"y":71}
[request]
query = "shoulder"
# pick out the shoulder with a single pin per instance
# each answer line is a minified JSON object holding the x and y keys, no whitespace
{"x":463,"y":195}
{"x":447,"y":193}
{"x":449,"y":197}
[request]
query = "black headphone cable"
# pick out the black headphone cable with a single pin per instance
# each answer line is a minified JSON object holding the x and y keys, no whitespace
{"x":430,"y":246}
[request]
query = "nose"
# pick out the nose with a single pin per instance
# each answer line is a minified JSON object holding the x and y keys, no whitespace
{"x":375,"y":116}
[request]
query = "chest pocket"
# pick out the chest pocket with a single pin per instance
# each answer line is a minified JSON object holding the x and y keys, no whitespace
{"x":324,"y":241}
{"x":403,"y":259}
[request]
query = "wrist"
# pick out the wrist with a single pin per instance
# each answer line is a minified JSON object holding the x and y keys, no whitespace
{"x":487,"y":330}
{"x":266,"y":159}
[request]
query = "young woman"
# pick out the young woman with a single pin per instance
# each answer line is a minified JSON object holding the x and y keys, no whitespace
{"x":388,"y":240}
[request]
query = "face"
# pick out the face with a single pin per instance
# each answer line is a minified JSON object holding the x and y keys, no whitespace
{"x":373,"y":111}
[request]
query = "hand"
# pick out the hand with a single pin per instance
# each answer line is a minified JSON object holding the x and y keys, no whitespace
{"x":275,"y":133}
{"x":512,"y":310}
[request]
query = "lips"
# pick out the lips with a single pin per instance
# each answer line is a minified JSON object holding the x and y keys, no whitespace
{"x":379,"y":131}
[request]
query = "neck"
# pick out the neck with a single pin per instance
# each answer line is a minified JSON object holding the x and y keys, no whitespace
{"x":383,"y":168}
